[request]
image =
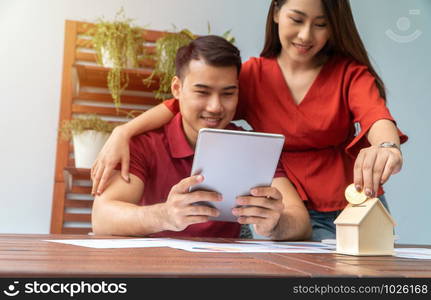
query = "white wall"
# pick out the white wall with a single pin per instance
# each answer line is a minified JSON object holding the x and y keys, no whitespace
{"x":31,"y":56}
{"x":31,"y":53}
{"x":406,"y":71}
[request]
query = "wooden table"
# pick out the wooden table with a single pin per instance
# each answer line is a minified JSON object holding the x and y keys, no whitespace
{"x":30,"y":256}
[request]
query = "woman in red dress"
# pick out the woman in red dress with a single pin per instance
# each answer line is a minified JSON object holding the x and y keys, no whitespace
{"x":313,"y":83}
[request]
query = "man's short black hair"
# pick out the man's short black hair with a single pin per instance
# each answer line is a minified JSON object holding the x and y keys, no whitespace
{"x":214,"y":50}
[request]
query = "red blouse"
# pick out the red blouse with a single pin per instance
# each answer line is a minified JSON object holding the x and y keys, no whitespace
{"x":320,"y":142}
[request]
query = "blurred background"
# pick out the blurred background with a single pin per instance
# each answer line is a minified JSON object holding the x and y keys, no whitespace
{"x":397,"y":34}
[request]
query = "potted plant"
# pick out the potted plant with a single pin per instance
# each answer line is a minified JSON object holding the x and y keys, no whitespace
{"x":118,"y":44}
{"x":166,"y":50}
{"x":88,"y":134}
{"x":164,"y":69}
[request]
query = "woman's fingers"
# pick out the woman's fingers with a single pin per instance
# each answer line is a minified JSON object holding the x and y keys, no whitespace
{"x":387,"y":172}
{"x":98,"y":172}
{"x":357,"y":171}
{"x":378,"y":168}
{"x":125,"y":168}
{"x":107,"y":172}
{"x":373,"y":167}
{"x":370,"y":156}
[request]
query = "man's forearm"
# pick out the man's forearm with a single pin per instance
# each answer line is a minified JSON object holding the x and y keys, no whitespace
{"x":121,"y":218}
{"x":294,"y":224}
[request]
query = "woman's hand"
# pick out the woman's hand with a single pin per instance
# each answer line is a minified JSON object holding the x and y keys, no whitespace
{"x":373,"y":167}
{"x":115,"y":150}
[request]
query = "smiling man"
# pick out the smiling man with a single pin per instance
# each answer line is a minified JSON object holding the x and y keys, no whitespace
{"x":157,"y":200}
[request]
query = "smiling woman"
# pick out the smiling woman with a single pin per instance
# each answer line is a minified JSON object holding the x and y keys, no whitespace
{"x":312,"y":82}
{"x":302,"y":34}
{"x":338,"y":31}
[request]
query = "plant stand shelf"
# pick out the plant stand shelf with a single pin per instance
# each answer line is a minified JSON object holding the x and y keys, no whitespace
{"x":95,"y":76}
{"x":84,"y":91}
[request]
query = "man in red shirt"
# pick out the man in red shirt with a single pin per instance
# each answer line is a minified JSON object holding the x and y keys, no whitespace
{"x":157,"y":200}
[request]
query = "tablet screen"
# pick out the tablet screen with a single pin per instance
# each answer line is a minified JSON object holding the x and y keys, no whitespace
{"x":233,"y":162}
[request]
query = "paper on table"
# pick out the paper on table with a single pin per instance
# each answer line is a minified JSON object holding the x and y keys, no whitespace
{"x":250,"y":246}
{"x":417,"y":253}
{"x":196,"y":246}
{"x":293,"y":245}
{"x":119,"y":243}
{"x":329,"y":241}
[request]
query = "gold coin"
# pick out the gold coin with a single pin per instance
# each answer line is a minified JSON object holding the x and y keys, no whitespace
{"x":353,"y":196}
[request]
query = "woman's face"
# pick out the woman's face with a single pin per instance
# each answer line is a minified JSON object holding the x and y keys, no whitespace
{"x":303,"y":29}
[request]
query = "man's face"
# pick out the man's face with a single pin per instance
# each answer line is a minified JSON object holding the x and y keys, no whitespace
{"x":207,"y":96}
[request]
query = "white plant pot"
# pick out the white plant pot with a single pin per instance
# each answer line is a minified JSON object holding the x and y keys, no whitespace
{"x":86,"y":146}
{"x":108,"y":62}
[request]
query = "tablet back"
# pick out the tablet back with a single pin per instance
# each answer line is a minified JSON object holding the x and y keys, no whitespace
{"x":233,"y":162}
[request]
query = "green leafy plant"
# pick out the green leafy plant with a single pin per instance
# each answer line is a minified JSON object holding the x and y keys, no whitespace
{"x":226,"y":35}
{"x":166,"y":50}
{"x":122,"y":43}
{"x":78,"y":125}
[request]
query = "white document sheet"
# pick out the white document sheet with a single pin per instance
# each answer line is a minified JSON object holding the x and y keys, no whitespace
{"x":118,"y":243}
{"x":195,"y":246}
{"x":417,"y":253}
{"x":251,"y":246}
{"x":239,"y":246}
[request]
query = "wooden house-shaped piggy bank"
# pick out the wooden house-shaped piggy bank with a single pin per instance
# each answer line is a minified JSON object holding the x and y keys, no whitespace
{"x":365,"y":229}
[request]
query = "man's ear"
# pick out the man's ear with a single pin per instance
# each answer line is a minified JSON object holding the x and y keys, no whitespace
{"x":176,"y":85}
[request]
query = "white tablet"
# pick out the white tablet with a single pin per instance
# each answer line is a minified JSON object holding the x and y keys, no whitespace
{"x":233,"y":162}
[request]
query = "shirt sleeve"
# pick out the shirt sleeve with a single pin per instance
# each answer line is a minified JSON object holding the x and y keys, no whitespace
{"x":173,"y":105}
{"x":366,"y":106}
{"x":279,"y":172}
{"x":140,"y":157}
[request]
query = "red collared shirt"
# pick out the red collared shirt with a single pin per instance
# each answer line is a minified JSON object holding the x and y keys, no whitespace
{"x":320,"y":143}
{"x":163,"y":157}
